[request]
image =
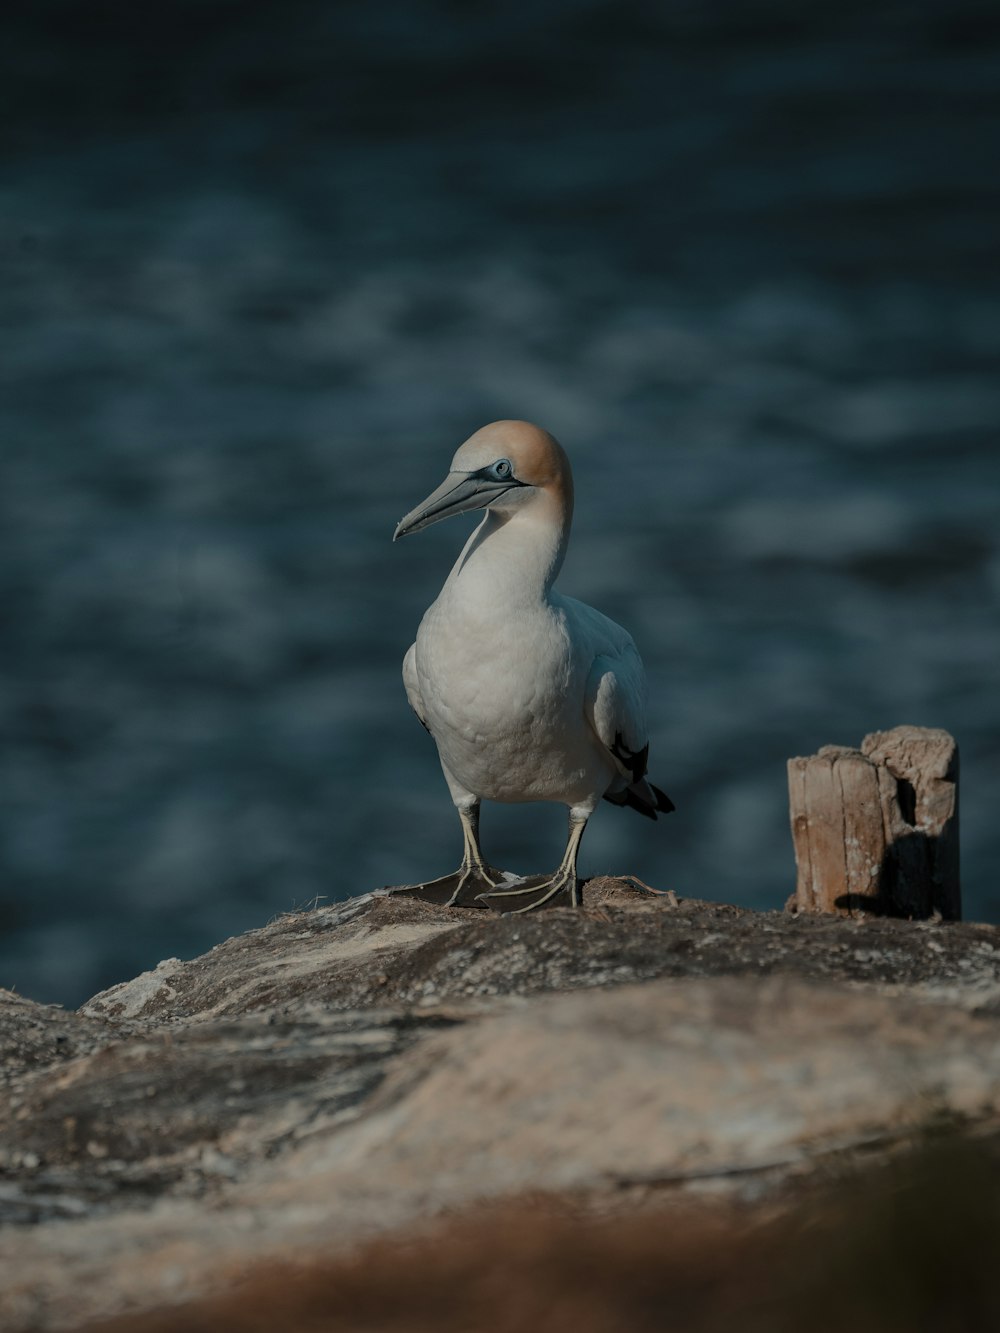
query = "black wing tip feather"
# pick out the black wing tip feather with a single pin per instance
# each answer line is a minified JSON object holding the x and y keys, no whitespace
{"x":628,"y":797}
{"x":634,"y":760}
{"x":663,"y":802}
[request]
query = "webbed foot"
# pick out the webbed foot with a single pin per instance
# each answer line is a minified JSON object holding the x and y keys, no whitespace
{"x":464,"y":888}
{"x":539,"y":890}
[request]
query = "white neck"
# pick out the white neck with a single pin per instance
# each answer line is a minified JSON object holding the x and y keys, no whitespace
{"x":512,"y":557}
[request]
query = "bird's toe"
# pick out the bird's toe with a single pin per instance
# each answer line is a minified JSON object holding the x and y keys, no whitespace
{"x":465,"y":888}
{"x":533,"y":892}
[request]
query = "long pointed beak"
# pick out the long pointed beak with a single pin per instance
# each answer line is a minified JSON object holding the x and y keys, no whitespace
{"x":460,"y":491}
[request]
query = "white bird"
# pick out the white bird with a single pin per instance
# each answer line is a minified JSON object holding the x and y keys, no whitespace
{"x":529,"y":695}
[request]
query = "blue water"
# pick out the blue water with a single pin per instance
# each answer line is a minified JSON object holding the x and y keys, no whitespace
{"x":263,"y":268}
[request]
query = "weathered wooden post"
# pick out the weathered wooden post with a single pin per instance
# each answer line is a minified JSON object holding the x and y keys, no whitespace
{"x":876,"y":829}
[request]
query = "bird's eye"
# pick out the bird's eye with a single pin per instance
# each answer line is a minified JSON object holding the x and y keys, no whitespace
{"x":502,"y":469}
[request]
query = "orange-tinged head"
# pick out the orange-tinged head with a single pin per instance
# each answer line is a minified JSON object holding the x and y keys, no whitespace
{"x":536,"y":457}
{"x":505,"y":466}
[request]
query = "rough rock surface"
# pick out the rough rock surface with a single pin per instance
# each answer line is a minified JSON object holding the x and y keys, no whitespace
{"x":361,"y":1067}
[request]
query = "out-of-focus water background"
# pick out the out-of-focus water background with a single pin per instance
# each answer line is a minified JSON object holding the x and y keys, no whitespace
{"x":262,"y":269}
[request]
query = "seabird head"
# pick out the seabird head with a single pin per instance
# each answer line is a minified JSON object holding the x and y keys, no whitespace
{"x":504,"y":466}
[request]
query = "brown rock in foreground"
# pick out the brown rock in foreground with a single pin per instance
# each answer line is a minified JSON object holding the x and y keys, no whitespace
{"x":905,"y":1248}
{"x":360,"y":1068}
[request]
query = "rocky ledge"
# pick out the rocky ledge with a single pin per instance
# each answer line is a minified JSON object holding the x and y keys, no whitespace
{"x":353,"y":1070}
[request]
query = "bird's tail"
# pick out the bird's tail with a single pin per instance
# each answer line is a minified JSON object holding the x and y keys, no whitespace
{"x":642,"y":796}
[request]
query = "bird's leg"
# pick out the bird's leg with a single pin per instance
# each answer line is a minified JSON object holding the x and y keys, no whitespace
{"x":470,"y":880}
{"x":544,"y":890}
{"x":473,"y":863}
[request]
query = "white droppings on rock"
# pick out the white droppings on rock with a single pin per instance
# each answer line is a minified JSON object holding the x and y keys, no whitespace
{"x":129,"y":998}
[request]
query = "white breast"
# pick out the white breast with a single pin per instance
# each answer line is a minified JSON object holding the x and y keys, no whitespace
{"x":503,"y":695}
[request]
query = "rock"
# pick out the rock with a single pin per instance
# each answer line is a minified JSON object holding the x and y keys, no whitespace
{"x":362,"y":1067}
{"x":42,"y":1035}
{"x":909,"y":1245}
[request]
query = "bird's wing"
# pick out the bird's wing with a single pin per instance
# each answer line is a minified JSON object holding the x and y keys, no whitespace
{"x":615,"y":707}
{"x":614,"y":701}
{"x":615,"y":704}
{"x":412,"y":685}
